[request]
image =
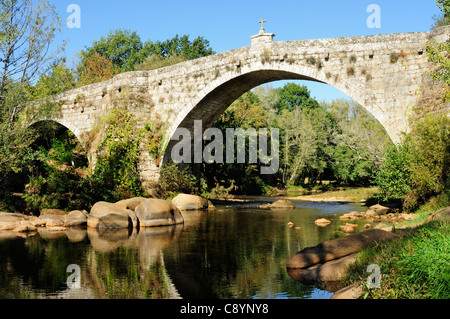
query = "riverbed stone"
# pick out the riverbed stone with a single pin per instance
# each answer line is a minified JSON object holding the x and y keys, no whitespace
{"x":442,"y":214}
{"x":50,"y":220}
{"x":351,"y":292}
{"x":105,"y":215}
{"x":55,"y":212}
{"x":131,"y":203}
{"x":10,"y":221}
{"x":346,"y":229}
{"x":380,"y":209}
{"x":75,"y":218}
{"x":25,"y":226}
{"x":371,"y":214}
{"x":338,"y":248}
{"x":189,"y":202}
{"x":282,"y":204}
{"x":322,"y":222}
{"x":158,"y":212}
{"x":330,"y":271}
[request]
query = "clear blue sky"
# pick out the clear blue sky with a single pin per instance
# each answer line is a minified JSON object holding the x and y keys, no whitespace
{"x":229,"y":24}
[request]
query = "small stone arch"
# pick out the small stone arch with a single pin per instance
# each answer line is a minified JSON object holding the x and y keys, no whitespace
{"x":67,"y":125}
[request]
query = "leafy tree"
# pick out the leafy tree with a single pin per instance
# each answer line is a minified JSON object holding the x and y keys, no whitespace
{"x":439,"y":55}
{"x":57,"y":80}
{"x":430,"y":163}
{"x":172,"y":51}
{"x":295,"y":96}
{"x":359,"y":142}
{"x":444,"y":18}
{"x":179,"y":46}
{"x":97,"y":68}
{"x":122,"y":47}
{"x":393,"y":178}
{"x":27,"y":31}
{"x":306,"y":133}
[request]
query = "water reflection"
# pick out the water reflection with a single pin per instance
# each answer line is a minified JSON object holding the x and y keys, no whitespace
{"x":231,"y":253}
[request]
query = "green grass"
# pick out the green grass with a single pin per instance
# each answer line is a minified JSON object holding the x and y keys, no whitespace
{"x":417,"y":266}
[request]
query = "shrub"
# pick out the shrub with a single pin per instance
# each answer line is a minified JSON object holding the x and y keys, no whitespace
{"x":175,"y":179}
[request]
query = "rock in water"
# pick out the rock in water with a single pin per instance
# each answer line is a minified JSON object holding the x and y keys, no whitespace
{"x":330,"y":271}
{"x":131,"y":203}
{"x":322,"y":222}
{"x":158,"y":212}
{"x":337,"y":248}
{"x":350,"y":292}
{"x":10,"y":221}
{"x":105,"y":215}
{"x":75,"y":218}
{"x":282,"y":204}
{"x":189,"y":202}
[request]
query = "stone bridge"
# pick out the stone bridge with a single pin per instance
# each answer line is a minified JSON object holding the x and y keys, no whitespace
{"x":383,"y":73}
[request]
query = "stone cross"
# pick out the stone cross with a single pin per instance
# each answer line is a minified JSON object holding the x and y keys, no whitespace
{"x":262,"y":23}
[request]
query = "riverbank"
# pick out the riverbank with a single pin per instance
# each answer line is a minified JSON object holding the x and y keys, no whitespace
{"x":412,"y":267}
{"x":342,"y":195}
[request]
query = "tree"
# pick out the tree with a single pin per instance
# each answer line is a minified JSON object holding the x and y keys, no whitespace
{"x":97,"y":68}
{"x":305,"y":133}
{"x":57,"y":80}
{"x":439,"y":55}
{"x":444,"y":18}
{"x":122,"y":47}
{"x":27,"y":31}
{"x":295,"y":96}
{"x":179,"y":46}
{"x":172,"y":51}
{"x":359,"y":142}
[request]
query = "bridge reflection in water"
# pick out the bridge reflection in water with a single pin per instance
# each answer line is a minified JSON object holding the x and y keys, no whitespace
{"x":228,"y":253}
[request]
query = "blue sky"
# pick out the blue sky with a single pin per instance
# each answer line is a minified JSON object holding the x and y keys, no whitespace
{"x":229,"y":24}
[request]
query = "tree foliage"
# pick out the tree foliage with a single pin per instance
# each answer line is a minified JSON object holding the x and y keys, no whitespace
{"x":121,"y":47}
{"x":97,"y":68}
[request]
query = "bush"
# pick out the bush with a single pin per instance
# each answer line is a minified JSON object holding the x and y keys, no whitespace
{"x":393,"y":178}
{"x":174,"y":179}
{"x":419,"y":168}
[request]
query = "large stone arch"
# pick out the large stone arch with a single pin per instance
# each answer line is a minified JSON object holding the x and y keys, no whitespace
{"x":218,"y":95}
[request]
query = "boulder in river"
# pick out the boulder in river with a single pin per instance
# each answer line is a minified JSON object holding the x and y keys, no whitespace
{"x":337,"y":248}
{"x":351,"y":292}
{"x":189,"y":202}
{"x":158,"y":212}
{"x":282,"y":204}
{"x":105,"y":215}
{"x":75,"y":218}
{"x":322,"y":222}
{"x":330,"y":271}
{"x":10,"y":221}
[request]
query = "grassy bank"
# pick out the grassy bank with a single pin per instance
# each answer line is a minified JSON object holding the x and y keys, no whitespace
{"x":340,"y":194}
{"x":413,"y":267}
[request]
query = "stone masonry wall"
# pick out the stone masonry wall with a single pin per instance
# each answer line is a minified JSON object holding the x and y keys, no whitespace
{"x":384,"y":73}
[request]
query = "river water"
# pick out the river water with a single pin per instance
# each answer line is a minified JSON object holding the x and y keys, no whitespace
{"x":231,"y":252}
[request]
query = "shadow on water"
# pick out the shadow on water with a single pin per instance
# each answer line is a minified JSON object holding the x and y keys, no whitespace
{"x":232,"y":252}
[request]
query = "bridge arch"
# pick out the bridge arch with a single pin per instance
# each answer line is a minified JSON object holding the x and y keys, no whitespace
{"x":68,"y":125}
{"x":219,"y":94}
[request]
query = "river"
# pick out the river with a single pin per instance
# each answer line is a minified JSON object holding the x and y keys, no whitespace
{"x":230,"y":252}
